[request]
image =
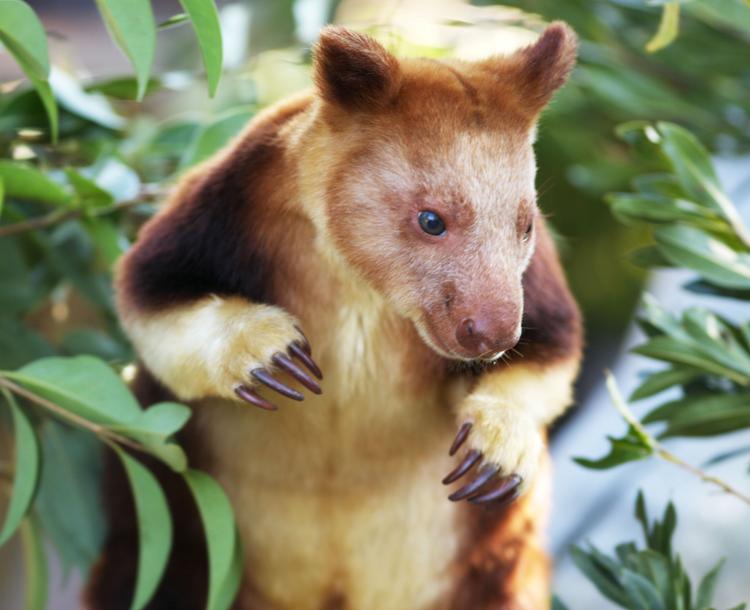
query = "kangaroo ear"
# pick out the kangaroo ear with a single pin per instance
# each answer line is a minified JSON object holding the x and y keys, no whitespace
{"x":540,"y":69}
{"x":354,"y":71}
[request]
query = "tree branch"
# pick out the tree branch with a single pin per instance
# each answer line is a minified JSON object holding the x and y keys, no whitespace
{"x":146,"y":195}
{"x":660,"y":450}
{"x":97,"y":429}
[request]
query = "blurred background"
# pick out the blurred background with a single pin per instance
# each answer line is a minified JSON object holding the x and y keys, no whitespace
{"x":702,"y":83}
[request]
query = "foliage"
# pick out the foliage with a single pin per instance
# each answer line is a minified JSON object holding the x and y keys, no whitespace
{"x":694,"y":226}
{"x":649,"y":578}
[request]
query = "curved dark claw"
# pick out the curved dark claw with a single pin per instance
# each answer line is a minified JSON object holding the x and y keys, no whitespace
{"x":502,"y":494}
{"x":305,"y":343}
{"x":471,"y":488}
{"x":284,"y":362}
{"x":471,"y":458}
{"x":297,"y":350}
{"x":267,"y":379}
{"x":463,"y":432}
{"x":250,"y":396}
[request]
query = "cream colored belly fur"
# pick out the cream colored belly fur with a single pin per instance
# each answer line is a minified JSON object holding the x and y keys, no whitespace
{"x":339,"y":496}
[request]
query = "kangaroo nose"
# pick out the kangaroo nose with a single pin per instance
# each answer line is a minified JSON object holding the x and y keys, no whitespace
{"x":480,"y":336}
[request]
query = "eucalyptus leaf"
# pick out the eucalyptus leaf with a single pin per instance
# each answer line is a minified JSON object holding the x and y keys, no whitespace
{"x":218,"y":526}
{"x":205,"y":20}
{"x":131,"y":24}
{"x":154,"y":529}
{"x":26,"y":470}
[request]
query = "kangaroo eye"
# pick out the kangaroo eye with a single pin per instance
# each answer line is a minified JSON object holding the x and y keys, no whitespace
{"x":431,"y":223}
{"x":528,"y":231}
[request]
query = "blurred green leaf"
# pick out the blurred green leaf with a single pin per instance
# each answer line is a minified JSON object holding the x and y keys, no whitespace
{"x":35,"y":565}
{"x":26,"y":469}
{"x":131,"y":24}
{"x":93,"y":106}
{"x":629,"y":448}
{"x":23,"y":35}
{"x":2,"y":197}
{"x":108,"y":240}
{"x":697,"y":250}
{"x":218,"y":526}
{"x":73,"y":470}
{"x":214,"y":136}
{"x":88,"y":192}
{"x":660,"y":381}
{"x":706,"y":415}
{"x":122,"y":88}
{"x":174,"y":20}
{"x":707,"y":588}
{"x":669,"y":27}
{"x":154,"y":528}
{"x":25,"y":182}
{"x":205,"y":20}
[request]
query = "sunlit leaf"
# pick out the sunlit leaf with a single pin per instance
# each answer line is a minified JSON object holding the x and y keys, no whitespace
{"x":631,"y":447}
{"x":131,"y":24}
{"x":669,"y":26}
{"x":705,"y":415}
{"x":205,"y":20}
{"x":35,"y":565}
{"x":26,"y":470}
{"x":154,"y":529}
{"x":218,"y":526}
{"x":25,"y":182}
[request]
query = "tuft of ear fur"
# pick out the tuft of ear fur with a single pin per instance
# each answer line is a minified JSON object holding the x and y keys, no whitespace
{"x":354,"y":71}
{"x":540,"y":69}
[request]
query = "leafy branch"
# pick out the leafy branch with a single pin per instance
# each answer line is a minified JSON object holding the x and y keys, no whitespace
{"x":148,"y":194}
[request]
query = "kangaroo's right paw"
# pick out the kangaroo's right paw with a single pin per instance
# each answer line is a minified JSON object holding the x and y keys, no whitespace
{"x":270,"y":342}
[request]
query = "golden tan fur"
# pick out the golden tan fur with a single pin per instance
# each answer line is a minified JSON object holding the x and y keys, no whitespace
{"x":338,"y":499}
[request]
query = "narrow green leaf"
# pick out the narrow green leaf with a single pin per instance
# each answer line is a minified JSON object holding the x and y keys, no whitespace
{"x":35,"y":565}
{"x":641,"y":592}
{"x":707,"y":587}
{"x":131,"y":24}
{"x":23,"y":35}
{"x":661,"y":380}
{"x":706,"y":415}
{"x":629,"y":448}
{"x":122,"y":88}
{"x":26,"y":464}
{"x":205,"y":20}
{"x":2,"y":197}
{"x":218,"y":526}
{"x":214,"y":136}
{"x":603,"y":577}
{"x":695,"y":249}
{"x":154,"y":528}
{"x":25,"y":182}
{"x":669,"y":26}
{"x":174,"y":20}
{"x":89,"y":194}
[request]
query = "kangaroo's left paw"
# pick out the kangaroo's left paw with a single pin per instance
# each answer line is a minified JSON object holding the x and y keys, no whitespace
{"x":504,"y":450}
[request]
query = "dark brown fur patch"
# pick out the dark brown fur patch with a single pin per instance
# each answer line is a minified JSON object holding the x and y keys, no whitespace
{"x":215,"y":237}
{"x":552,"y":327}
{"x":354,"y":71}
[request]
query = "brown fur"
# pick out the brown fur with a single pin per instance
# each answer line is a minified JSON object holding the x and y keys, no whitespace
{"x":311,"y":210}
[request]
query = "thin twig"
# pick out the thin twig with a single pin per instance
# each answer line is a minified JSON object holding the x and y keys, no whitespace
{"x":660,"y":450}
{"x":146,"y":195}
{"x":97,"y":429}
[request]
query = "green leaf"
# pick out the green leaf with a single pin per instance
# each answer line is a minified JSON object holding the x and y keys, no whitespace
{"x":174,"y":20}
{"x":231,"y":584}
{"x":83,"y":385}
{"x":218,"y":526}
{"x":647,"y":257}
{"x":131,"y":24}
{"x":661,"y":380}
{"x":26,"y":464}
{"x":669,"y":26}
{"x":205,"y":20}
{"x":35,"y":565}
{"x":602,"y":574}
{"x":211,"y":138}
{"x":92,"y":107}
{"x":558,"y":604}
{"x":2,"y":197}
{"x":629,"y":448}
{"x":90,"y":195}
{"x":705,"y":415}
{"x":154,"y":528}
{"x":109,"y":241}
{"x":713,"y":259}
{"x":73,"y":469}
{"x":23,"y":36}
{"x":122,"y":88}
{"x":89,"y":388}
{"x":24,"y":182}
{"x":707,"y":586}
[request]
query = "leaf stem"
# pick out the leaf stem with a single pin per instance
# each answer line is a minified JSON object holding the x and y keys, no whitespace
{"x":146,"y":195}
{"x":660,"y":450}
{"x":97,"y":429}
